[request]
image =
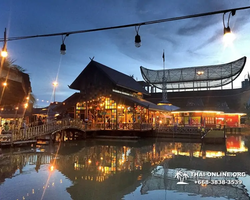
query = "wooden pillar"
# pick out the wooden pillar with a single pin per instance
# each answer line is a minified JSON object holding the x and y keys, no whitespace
{"x":50,"y":139}
{"x":148,"y":114}
{"x":74,"y":135}
{"x":62,"y":136}
{"x":133,"y":116}
{"x":116,"y":116}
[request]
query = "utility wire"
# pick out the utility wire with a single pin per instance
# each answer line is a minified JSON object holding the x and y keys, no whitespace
{"x":126,"y":25}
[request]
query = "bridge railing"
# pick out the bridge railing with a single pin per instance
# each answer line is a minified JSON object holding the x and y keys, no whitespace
{"x":53,"y":126}
{"x":40,"y":130}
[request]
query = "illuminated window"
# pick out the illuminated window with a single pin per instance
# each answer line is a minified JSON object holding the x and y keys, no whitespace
{"x":110,"y":104}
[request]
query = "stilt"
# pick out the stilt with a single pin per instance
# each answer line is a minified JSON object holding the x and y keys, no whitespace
{"x":84,"y":135}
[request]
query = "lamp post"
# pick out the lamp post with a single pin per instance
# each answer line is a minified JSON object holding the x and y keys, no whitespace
{"x":55,"y":84}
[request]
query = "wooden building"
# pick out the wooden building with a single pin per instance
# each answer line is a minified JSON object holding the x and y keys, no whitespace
{"x":15,"y":90}
{"x":111,"y":99}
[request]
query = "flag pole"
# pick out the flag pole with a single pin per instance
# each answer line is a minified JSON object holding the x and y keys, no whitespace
{"x":164,"y":85}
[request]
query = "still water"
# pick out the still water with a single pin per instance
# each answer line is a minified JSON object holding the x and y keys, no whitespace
{"x":137,"y":169}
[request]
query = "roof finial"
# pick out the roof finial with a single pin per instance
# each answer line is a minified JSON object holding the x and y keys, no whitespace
{"x":92,"y":58}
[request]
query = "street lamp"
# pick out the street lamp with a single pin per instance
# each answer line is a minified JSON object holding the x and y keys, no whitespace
{"x":4,"y":52}
{"x":55,"y":84}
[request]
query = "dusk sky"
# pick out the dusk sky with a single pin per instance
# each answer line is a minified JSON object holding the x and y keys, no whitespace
{"x":188,"y":42}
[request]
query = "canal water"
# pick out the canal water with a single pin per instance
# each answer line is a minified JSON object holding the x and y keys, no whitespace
{"x":128,"y":169}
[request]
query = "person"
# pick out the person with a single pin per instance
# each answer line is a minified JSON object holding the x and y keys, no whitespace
{"x":40,"y":122}
{"x":1,"y":128}
{"x":11,"y":126}
{"x":24,"y":126}
{"x":6,"y":127}
{"x":109,"y":123}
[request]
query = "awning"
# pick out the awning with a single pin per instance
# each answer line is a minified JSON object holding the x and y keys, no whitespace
{"x":133,"y":101}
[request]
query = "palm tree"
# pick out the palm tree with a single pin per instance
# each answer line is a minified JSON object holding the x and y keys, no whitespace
{"x":180,"y":175}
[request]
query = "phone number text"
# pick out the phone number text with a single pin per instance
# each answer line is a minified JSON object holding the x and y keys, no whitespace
{"x":218,"y":182}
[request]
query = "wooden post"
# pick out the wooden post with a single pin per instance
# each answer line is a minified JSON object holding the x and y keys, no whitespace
{"x":50,"y":139}
{"x":116,"y":116}
{"x":11,"y":139}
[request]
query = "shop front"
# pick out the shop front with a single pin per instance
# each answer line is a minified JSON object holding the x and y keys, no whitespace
{"x":213,"y":119}
{"x":119,"y":112}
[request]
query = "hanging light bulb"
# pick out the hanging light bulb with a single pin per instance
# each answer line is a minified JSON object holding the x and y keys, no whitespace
{"x":63,"y":49}
{"x":228,"y":37}
{"x":63,"y":46}
{"x":137,"y":38}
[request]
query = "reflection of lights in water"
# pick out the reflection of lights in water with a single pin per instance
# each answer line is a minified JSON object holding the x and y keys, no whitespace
{"x":60,"y":180}
{"x":51,"y":168}
{"x":242,"y":148}
{"x":53,"y":184}
{"x":33,"y":191}
{"x":214,"y":154}
{"x":89,"y":161}
{"x":184,"y":153}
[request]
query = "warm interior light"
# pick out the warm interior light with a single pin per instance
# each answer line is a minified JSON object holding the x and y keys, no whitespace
{"x":26,"y":105}
{"x":200,"y":72}
{"x":63,"y":49}
{"x":137,"y":40}
{"x":164,"y":104}
{"x":4,"y":83}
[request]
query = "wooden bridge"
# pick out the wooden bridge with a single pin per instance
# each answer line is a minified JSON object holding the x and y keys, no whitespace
{"x":50,"y":128}
{"x":32,"y":132}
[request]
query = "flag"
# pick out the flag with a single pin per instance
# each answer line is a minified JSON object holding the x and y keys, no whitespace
{"x":163,"y":56}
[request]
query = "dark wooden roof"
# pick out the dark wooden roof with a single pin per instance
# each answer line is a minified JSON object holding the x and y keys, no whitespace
{"x":227,"y":100}
{"x":118,"y":78}
{"x":69,"y":102}
{"x":132,"y":101}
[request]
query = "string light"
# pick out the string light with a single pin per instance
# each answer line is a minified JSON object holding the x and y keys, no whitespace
{"x":228,"y":35}
{"x":63,"y":46}
{"x":137,"y":38}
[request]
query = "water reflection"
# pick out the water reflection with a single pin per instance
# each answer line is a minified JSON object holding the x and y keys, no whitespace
{"x":120,"y":170}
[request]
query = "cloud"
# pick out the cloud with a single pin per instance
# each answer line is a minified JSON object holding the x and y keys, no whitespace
{"x":214,"y":38}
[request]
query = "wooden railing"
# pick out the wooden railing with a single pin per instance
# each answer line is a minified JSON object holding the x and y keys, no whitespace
{"x":41,"y":130}
{"x":172,"y":129}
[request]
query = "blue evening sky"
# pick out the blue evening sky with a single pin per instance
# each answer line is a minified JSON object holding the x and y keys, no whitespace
{"x":189,"y":42}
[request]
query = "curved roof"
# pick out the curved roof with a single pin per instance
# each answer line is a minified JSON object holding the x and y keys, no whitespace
{"x":195,"y":77}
